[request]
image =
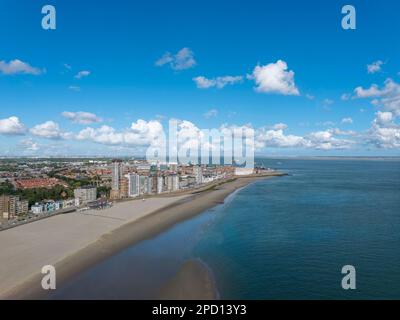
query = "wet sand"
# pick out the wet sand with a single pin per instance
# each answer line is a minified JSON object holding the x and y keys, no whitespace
{"x":192,"y":282}
{"x":76,"y":241}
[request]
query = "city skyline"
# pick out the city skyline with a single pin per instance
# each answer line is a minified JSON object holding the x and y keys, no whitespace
{"x":108,"y":79}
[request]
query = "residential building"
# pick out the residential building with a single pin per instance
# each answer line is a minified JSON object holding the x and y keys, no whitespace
{"x":22,"y":207}
{"x":198,"y":174}
{"x":11,"y":206}
{"x":84,"y":195}
{"x":145,"y":185}
{"x":133,"y":184}
{"x":160,"y":184}
{"x":172,"y":182}
{"x":37,"y":208}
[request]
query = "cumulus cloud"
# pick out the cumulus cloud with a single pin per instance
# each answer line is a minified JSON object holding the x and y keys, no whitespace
{"x":274,"y":78}
{"x":141,"y":133}
{"x":326,"y":140}
{"x":277,"y":138}
{"x":12,"y":126}
{"x":183,"y":59}
{"x":387,"y":97}
{"x":190,"y":137}
{"x":384,"y":132}
{"x":29,"y":145}
{"x":375,"y":66}
{"x":320,"y":140}
{"x":49,"y":130}
{"x":82,"y":74}
{"x":18,"y":67}
{"x":210,"y":113}
{"x":347,"y":120}
{"x":383,"y":118}
{"x":81,"y":117}
{"x":218,"y":82}
{"x":279,"y":126}
{"x":372,"y":91}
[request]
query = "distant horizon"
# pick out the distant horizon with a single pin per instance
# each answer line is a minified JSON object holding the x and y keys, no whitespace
{"x":137,"y":157}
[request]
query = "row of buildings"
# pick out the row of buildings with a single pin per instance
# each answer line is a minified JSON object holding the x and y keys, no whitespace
{"x":142,"y":179}
{"x":12,"y":206}
{"x":48,"y":206}
{"x":82,"y":196}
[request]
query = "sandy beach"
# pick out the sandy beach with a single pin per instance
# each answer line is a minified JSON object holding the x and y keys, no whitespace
{"x":76,"y":241}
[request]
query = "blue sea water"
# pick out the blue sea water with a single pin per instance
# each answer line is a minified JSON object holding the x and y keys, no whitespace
{"x":279,"y":238}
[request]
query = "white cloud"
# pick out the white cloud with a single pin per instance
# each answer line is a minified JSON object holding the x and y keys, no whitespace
{"x":274,"y":78}
{"x":81,"y":117}
{"x":49,"y":130}
{"x":387,"y":97}
{"x":373,"y":91}
{"x":219,"y":82}
{"x":279,"y":126}
{"x":17,"y":67}
{"x":320,"y":140}
{"x":210,"y":113}
{"x":277,"y":138}
{"x":375,"y":66}
{"x":29,"y":145}
{"x":310,"y":97}
{"x":141,"y":133}
{"x":326,"y":123}
{"x":104,"y":135}
{"x":347,"y":120}
{"x":326,"y":140}
{"x":12,"y":126}
{"x":383,"y":118}
{"x":82,"y":74}
{"x":345,"y":96}
{"x":150,"y":133}
{"x":384,"y":132}
{"x":327,"y":102}
{"x":183,"y":59}
{"x":74,"y":88}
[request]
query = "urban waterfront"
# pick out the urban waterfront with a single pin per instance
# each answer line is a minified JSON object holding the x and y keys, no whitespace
{"x":279,"y":238}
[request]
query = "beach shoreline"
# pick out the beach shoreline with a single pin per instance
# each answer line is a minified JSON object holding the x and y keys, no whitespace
{"x":168,"y":213}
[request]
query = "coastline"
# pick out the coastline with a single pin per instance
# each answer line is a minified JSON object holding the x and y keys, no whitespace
{"x":173,"y":210}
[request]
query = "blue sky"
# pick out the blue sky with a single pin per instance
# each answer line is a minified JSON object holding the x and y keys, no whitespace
{"x":119,"y":43}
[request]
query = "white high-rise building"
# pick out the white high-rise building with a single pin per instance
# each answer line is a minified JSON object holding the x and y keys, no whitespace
{"x":160,"y":184}
{"x":198,"y":174}
{"x":133,"y":184}
{"x":172,"y":182}
{"x":145,"y":184}
{"x":116,"y":174}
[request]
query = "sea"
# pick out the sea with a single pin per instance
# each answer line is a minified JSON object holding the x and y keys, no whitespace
{"x":280,"y":238}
